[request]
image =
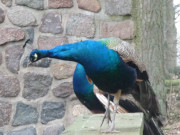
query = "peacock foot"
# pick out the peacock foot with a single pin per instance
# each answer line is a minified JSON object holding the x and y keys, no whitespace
{"x":107,"y":116}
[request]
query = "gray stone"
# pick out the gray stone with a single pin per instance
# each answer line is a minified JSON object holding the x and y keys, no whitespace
{"x":36,"y":85}
{"x":25,"y":131}
{"x":25,"y":114}
{"x":45,"y":42}
{"x":8,"y":3}
{"x":13,"y":56}
{"x":0,"y":58}
{"x":21,"y":17}
{"x":1,"y":133}
{"x":63,"y":70}
{"x":5,"y":113}
{"x":11,"y":34}
{"x":63,"y":90}
{"x":9,"y":86}
{"x":44,"y":63}
{"x":118,"y":7}
{"x":51,"y":23}
{"x":30,"y":32}
{"x":2,"y":16}
{"x":81,"y":25}
{"x":60,"y":3}
{"x":54,"y":130}
{"x":36,"y":4}
{"x":51,"y":111}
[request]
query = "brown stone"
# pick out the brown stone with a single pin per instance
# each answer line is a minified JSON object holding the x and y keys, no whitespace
{"x":2,"y":15}
{"x":10,"y":34}
{"x":45,"y":42}
{"x":60,"y":3}
{"x":0,"y":58}
{"x":90,"y":5}
{"x":9,"y":86}
{"x":5,"y":113}
{"x":63,"y":90}
{"x":63,"y":70}
{"x":122,"y":30}
{"x":13,"y":56}
{"x":51,"y":23}
{"x":81,"y":25}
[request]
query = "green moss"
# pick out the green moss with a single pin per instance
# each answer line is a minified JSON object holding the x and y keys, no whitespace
{"x":172,"y":82}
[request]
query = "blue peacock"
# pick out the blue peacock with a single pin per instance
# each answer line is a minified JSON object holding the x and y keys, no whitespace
{"x":116,"y":71}
{"x":96,"y":102}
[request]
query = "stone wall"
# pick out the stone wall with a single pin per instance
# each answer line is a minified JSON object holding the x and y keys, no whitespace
{"x":38,"y":98}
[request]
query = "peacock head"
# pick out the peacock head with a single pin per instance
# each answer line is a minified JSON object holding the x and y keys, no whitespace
{"x":35,"y":56}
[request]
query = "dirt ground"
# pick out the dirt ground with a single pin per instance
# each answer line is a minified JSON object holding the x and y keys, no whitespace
{"x":172,"y":126}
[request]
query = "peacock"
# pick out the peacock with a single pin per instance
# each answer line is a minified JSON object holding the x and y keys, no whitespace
{"x":116,"y":71}
{"x":96,"y":102}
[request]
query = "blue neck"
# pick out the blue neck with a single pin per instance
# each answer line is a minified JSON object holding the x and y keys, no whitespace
{"x":80,"y":82}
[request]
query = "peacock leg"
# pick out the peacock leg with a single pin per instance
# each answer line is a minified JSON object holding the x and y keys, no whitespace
{"x":107,"y":113}
{"x":116,"y":102}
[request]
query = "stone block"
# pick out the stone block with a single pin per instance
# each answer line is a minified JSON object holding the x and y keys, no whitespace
{"x":123,"y":30}
{"x":118,"y":7}
{"x":25,"y":114}
{"x":51,"y":23}
{"x":25,"y":131}
{"x":21,"y":16}
{"x":30,"y":32}
{"x":36,"y":85}
{"x":126,"y":124}
{"x":9,"y":86}
{"x":36,"y":4}
{"x":63,"y":70}
{"x":5,"y":113}
{"x":81,"y":25}
{"x":54,"y":129}
{"x":63,"y":90}
{"x":0,"y":58}
{"x":60,"y":3}
{"x":8,"y":3}
{"x":90,"y":5}
{"x":13,"y":56}
{"x":45,"y":42}
{"x":51,"y":111}
{"x":2,"y":16}
{"x":11,"y":34}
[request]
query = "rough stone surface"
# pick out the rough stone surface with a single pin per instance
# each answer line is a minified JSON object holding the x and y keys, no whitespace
{"x":2,"y":15}
{"x":60,"y":3}
{"x":5,"y":113}
{"x":63,"y":90}
{"x":51,"y":111}
{"x":25,"y":114}
{"x":8,"y":3}
{"x":30,"y":32}
{"x":21,"y":17}
{"x":90,"y":5}
{"x":63,"y":70}
{"x":123,"y":30}
{"x":45,"y":42}
{"x":54,"y":130}
{"x":36,"y":4}
{"x":10,"y":34}
{"x":36,"y":85}
{"x":13,"y":56}
{"x":9,"y":86}
{"x":81,"y":25}
{"x":44,"y":63}
{"x":0,"y":58}
{"x":118,"y":7}
{"x":25,"y":131}
{"x":51,"y":23}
